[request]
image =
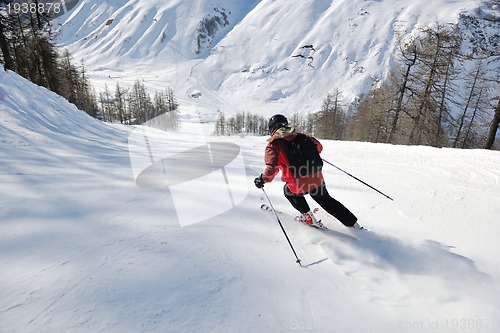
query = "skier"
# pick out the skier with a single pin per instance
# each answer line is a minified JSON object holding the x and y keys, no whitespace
{"x":297,"y":186}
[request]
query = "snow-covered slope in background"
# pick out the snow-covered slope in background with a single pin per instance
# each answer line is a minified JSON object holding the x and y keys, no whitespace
{"x":84,"y":249}
{"x":260,"y":56}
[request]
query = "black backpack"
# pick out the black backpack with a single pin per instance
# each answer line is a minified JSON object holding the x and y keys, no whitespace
{"x":303,"y":156}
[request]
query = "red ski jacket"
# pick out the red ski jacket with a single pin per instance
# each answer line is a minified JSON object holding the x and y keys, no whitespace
{"x":275,"y":159}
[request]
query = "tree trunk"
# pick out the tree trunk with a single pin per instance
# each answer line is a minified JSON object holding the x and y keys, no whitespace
{"x":466,"y":108}
{"x":4,"y":46}
{"x":493,"y":127}
{"x":402,"y":92}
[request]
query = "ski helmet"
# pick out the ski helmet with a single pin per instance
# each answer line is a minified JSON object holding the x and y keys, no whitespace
{"x":277,"y":121}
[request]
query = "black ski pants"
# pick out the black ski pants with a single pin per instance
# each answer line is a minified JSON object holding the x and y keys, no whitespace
{"x":323,"y":198}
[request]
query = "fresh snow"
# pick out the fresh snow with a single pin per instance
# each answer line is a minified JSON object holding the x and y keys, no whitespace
{"x":83,"y":248}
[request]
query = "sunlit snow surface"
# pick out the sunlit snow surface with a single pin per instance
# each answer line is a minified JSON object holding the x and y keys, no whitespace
{"x":84,"y":248}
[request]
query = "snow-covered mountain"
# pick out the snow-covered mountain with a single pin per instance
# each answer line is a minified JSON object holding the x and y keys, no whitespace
{"x":263,"y":56}
{"x":84,"y":249}
{"x":109,"y":228}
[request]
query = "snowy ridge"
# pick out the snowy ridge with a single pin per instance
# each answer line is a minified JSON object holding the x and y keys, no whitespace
{"x":260,"y":56}
{"x":83,"y":248}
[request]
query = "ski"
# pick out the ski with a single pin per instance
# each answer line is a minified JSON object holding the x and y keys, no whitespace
{"x":267,"y":208}
{"x":320,"y":212}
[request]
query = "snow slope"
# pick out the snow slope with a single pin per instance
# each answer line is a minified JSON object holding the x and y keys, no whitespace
{"x":84,"y":249}
{"x":268,"y":56}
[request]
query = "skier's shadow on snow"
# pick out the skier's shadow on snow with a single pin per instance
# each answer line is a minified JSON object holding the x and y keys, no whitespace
{"x":385,"y":252}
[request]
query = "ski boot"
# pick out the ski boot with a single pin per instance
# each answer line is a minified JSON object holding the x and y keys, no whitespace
{"x":309,"y":219}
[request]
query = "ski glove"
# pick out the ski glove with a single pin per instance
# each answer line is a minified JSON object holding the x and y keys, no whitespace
{"x":259,"y":182}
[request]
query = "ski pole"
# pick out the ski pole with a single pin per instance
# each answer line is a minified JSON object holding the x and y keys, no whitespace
{"x":281,"y":225}
{"x":359,"y":180}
